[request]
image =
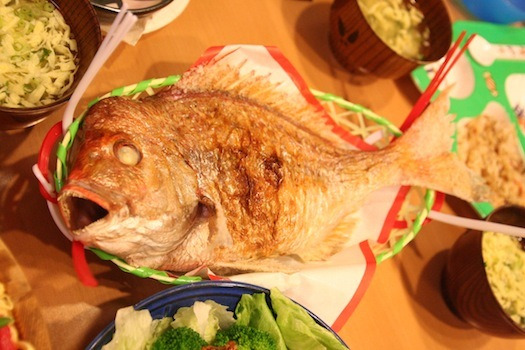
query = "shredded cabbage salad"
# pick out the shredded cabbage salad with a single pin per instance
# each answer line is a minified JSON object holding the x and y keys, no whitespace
{"x":505,"y":266}
{"x":37,"y":53}
{"x":398,"y":23}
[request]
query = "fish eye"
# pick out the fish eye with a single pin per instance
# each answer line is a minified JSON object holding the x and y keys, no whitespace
{"x":127,"y":153}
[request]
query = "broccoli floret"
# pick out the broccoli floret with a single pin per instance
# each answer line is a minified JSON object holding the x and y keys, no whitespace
{"x":182,"y":338}
{"x":247,"y":338}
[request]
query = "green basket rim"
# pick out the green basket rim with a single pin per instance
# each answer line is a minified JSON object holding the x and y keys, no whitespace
{"x":66,"y":143}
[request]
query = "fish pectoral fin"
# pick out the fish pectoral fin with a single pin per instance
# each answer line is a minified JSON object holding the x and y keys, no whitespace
{"x":332,"y":242}
{"x":211,"y":211}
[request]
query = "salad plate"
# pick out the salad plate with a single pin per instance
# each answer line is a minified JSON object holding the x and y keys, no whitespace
{"x":167,"y":302}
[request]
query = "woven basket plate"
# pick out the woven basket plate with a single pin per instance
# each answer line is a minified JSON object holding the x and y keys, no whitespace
{"x":356,"y":119}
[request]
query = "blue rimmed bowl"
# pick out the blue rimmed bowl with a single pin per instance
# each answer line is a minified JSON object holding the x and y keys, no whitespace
{"x":167,"y":302}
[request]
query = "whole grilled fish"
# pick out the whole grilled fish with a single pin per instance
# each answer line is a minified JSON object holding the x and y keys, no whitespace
{"x":224,"y":171}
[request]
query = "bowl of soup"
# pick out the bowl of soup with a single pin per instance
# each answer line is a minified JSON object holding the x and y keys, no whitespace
{"x":47,"y":47}
{"x":388,"y":38}
{"x":484,"y":277}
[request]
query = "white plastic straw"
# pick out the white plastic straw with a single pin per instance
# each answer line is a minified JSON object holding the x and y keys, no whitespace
{"x":479,"y":225}
{"x":59,"y":221}
{"x":50,"y":189}
{"x":123,"y":22}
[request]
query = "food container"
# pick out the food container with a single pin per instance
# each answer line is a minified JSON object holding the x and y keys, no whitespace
{"x":466,"y":287}
{"x":360,"y":50}
{"x":167,"y":302}
{"x":497,"y":11}
{"x":85,"y":27}
{"x":137,"y":7}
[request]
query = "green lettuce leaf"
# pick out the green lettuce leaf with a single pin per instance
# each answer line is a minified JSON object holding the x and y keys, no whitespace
{"x":299,"y":330}
{"x":206,"y":318}
{"x":158,"y":327}
{"x":4,"y":321}
{"x":253,"y":311}
{"x":133,"y":330}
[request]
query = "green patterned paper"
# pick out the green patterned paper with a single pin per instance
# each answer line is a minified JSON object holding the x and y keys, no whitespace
{"x":483,"y":93}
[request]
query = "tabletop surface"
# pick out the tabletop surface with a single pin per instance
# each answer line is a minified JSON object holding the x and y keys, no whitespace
{"x":403,"y":307}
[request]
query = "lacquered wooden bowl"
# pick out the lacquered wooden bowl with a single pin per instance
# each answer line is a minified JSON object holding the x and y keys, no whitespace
{"x":360,"y":50}
{"x":82,"y":18}
{"x":466,"y":287}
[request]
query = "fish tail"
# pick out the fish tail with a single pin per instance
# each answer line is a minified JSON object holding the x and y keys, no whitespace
{"x":426,"y":159}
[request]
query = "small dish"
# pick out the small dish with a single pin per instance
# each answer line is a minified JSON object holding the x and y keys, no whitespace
{"x":165,"y":15}
{"x":497,"y":11}
{"x":137,"y":7}
{"x":466,"y":287}
{"x":82,"y":19}
{"x":362,"y":51}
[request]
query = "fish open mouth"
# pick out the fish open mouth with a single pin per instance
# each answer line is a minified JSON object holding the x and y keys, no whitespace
{"x":82,"y":212}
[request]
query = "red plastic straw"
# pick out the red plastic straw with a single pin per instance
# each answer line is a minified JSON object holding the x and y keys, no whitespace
{"x":44,"y":155}
{"x":81,"y":266}
{"x":438,"y":78}
{"x":424,"y":101}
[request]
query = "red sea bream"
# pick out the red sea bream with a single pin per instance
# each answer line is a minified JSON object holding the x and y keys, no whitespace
{"x":225,"y":171}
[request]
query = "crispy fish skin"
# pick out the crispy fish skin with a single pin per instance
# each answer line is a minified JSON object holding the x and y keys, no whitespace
{"x":231,"y":172}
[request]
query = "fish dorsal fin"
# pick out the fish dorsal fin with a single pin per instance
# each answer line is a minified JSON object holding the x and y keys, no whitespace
{"x":240,"y":81}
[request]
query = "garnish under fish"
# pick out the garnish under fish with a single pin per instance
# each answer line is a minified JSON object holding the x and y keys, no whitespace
{"x":227,"y":172}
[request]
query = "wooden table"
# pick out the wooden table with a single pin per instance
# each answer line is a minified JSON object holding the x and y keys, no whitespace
{"x":403,"y":307}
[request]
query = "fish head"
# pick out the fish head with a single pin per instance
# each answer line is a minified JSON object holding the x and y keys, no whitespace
{"x":128,"y":192}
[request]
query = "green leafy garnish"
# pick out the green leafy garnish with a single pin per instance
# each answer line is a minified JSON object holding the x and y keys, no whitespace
{"x":4,"y":321}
